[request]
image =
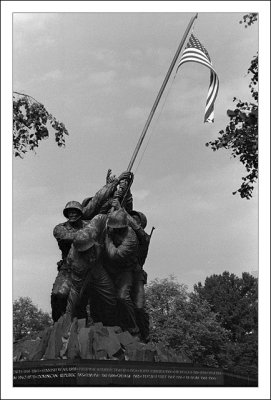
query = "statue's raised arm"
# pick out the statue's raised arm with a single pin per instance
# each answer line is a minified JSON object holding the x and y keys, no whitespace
{"x":101,"y":202}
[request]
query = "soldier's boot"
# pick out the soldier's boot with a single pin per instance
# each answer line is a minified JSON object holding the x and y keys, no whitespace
{"x":143,"y":322}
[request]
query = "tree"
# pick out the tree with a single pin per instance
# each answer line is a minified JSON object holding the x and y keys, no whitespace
{"x":235,"y":300}
{"x":28,"y":319}
{"x":183,"y":322}
{"x":31,"y":121}
{"x":241,"y":134}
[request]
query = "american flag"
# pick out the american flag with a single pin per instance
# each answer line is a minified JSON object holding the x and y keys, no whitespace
{"x":196,"y":52}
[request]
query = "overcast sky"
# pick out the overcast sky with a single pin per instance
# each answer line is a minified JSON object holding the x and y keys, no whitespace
{"x":99,"y":73}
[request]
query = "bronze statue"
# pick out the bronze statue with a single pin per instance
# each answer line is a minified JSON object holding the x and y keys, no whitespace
{"x":104,"y":247}
{"x":139,"y":275}
{"x":64,"y":234}
{"x":121,"y":248}
{"x":89,"y":276}
{"x":78,"y":217}
{"x":119,"y":260}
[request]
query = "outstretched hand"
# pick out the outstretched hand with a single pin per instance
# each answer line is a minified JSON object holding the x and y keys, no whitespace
{"x":110,"y":178}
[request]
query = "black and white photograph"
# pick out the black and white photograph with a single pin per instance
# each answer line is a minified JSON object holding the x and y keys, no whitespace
{"x":136,"y":261}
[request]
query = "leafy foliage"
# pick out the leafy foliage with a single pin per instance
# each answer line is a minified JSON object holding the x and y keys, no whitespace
{"x":235,"y":300}
{"x":28,"y":319}
{"x":249,"y":19}
{"x":30,"y":124}
{"x":241,"y":134}
{"x":242,"y":357}
{"x":184,"y":322}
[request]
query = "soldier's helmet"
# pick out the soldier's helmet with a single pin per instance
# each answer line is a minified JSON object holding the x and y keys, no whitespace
{"x":142,"y":217}
{"x":117,"y":219}
{"x":84,"y":239}
{"x":73,"y":205}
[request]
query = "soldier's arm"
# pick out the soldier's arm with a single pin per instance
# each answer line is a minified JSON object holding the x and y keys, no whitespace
{"x":64,"y":239}
{"x":128,"y":202}
{"x":125,"y":252}
{"x":98,"y":224}
{"x":70,"y":257}
{"x":94,"y":205}
{"x":63,"y":235}
{"x":142,"y":236}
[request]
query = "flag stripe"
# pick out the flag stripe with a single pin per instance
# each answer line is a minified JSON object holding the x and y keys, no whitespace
{"x":198,"y":60}
{"x":209,"y":109}
{"x":213,"y":88}
{"x":195,"y":56}
{"x":212,"y":78}
{"x":196,"y":52}
{"x":210,"y":106}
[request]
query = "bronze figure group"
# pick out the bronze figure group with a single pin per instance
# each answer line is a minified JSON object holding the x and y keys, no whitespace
{"x":103,"y":247}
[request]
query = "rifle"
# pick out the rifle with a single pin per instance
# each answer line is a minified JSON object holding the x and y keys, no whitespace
{"x":152,"y":229}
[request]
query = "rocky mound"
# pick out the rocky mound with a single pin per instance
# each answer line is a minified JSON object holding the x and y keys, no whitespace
{"x":76,"y":341}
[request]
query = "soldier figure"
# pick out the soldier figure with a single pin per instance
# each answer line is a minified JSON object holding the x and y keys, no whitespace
{"x":88,"y":277}
{"x":121,"y":248}
{"x":139,"y":275}
{"x":138,"y":221}
{"x":64,"y":234}
{"x":119,"y":260}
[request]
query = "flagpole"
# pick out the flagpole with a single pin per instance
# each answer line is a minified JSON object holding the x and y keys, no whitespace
{"x":160,"y":93}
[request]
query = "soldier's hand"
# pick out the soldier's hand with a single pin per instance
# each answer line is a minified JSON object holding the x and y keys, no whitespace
{"x":123,"y":186}
{"x":133,"y":223}
{"x":116,"y":204}
{"x":126,"y":175}
{"x":110,"y":178}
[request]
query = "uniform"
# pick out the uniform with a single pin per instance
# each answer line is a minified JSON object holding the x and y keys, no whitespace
{"x":90,"y":280}
{"x":64,"y":233}
{"x":120,"y":260}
